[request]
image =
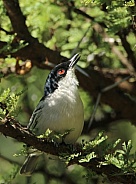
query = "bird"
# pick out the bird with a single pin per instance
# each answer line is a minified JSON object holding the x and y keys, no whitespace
{"x":60,"y":109}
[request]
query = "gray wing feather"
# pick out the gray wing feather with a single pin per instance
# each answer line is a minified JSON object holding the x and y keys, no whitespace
{"x":35,"y":116}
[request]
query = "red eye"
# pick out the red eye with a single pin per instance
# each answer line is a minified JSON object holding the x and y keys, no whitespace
{"x":61,"y":71}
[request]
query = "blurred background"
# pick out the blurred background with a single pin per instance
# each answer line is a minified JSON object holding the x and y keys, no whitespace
{"x":104,"y":33}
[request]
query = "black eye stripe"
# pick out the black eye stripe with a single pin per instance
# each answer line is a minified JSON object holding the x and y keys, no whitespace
{"x":54,"y":77}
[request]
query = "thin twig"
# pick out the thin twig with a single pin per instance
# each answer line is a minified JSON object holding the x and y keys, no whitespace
{"x":115,"y":84}
{"x":94,"y":110}
{"x":80,"y":41}
{"x":99,"y":97}
{"x":18,"y":132}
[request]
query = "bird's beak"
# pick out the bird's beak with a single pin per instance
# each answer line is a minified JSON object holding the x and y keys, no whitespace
{"x":74,"y":60}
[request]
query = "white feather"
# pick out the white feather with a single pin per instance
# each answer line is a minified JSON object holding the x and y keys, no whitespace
{"x":63,"y":110}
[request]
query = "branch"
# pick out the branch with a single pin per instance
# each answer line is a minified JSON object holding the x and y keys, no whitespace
{"x":115,"y":97}
{"x":103,"y":123}
{"x":7,"y":32}
{"x":115,"y":75}
{"x":20,"y":133}
{"x":16,"y":131}
{"x":99,"y":28}
{"x":34,"y":51}
{"x":17,"y":20}
{"x":127,"y":47}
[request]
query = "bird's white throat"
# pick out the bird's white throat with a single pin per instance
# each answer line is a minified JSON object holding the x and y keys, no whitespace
{"x":64,"y":109}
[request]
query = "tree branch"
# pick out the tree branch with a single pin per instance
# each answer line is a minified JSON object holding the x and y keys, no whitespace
{"x":17,"y":20}
{"x":34,"y":51}
{"x":103,"y":123}
{"x":16,"y":131}
{"x":7,"y":32}
{"x":127,"y":47}
{"x":115,"y":97}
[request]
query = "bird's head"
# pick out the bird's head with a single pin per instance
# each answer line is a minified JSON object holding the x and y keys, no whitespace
{"x":61,"y":75}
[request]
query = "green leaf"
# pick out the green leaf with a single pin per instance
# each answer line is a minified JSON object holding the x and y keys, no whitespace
{"x":88,"y":157}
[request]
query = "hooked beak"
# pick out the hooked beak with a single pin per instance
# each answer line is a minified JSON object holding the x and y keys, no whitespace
{"x":74,"y":60}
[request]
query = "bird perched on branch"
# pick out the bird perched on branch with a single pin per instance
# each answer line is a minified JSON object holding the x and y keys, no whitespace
{"x":60,"y":109}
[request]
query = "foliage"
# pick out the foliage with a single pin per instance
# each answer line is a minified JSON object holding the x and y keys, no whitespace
{"x":8,"y":102}
{"x":107,"y":154}
{"x":10,"y":177}
{"x":121,"y":158}
{"x":103,"y":31}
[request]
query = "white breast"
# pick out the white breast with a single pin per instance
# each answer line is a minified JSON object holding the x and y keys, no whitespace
{"x":63,"y":110}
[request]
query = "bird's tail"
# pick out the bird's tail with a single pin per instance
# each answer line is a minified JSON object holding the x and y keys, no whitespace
{"x":29,"y":164}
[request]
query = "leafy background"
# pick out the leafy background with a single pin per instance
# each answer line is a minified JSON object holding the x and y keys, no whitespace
{"x":57,"y":25}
